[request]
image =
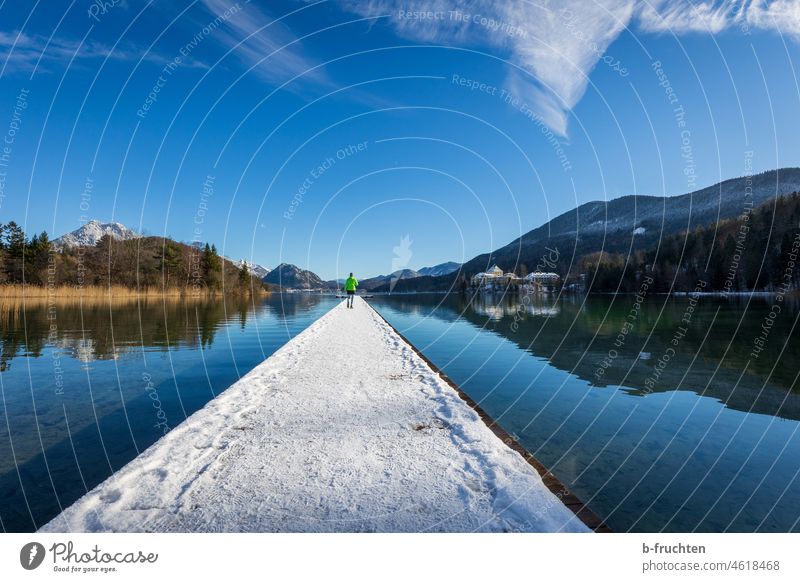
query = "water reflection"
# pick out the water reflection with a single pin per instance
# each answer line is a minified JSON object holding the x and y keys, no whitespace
{"x":578,"y":334}
{"x":98,"y":330}
{"x":497,"y":307}
{"x":707,"y":440}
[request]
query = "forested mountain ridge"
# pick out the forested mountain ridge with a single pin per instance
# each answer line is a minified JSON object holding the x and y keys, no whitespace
{"x":623,"y":225}
{"x":755,"y":251}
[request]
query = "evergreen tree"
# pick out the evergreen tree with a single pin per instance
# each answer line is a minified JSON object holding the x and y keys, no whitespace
{"x":170,"y":258}
{"x":36,"y":258}
{"x":244,"y":276}
{"x":15,"y":253}
{"x":212,"y":267}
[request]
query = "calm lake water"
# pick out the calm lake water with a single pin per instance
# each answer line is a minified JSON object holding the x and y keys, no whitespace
{"x":82,"y":399}
{"x":671,"y":425}
{"x":677,"y":427}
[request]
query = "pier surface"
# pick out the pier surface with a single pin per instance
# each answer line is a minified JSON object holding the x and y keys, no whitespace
{"x":345,"y":428}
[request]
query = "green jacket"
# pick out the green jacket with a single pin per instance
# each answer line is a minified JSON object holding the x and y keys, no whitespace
{"x":350,"y":284}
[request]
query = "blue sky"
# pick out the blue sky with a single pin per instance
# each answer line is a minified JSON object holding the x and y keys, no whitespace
{"x":325,"y":132}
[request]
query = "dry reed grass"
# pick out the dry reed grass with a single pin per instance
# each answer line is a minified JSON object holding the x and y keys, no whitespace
{"x":34,"y":293}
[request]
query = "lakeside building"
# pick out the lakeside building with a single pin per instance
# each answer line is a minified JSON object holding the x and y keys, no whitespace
{"x":495,"y":279}
{"x":542,"y":281}
{"x":489,"y":277}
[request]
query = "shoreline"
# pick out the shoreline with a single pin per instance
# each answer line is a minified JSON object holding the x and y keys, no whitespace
{"x":16,"y":292}
{"x":557,"y":294}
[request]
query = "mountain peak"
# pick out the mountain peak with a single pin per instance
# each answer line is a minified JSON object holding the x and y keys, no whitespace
{"x":254,"y":268}
{"x":293,"y":277}
{"x":91,"y":232}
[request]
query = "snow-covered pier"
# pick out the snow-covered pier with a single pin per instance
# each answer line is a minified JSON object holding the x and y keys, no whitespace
{"x":345,"y":428}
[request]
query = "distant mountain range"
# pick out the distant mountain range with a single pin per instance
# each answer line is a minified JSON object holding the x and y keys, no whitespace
{"x":291,"y":276}
{"x":620,"y":225}
{"x":439,"y":270}
{"x":285,"y":275}
{"x":90,"y":234}
{"x":373,"y":283}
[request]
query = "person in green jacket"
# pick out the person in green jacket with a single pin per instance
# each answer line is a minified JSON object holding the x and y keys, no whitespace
{"x":350,"y":287}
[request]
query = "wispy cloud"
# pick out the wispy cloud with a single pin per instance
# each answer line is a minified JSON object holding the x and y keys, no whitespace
{"x":532,"y":36}
{"x":256,"y":39}
{"x":783,"y":15}
{"x":553,"y":47}
{"x":561,"y":43}
{"x":681,"y":16}
{"x":562,"y":46}
{"x":263,"y":42}
{"x":266,"y":45}
{"x":22,"y":52}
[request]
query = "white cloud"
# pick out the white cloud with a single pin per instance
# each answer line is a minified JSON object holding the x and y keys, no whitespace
{"x":563,"y":41}
{"x":254,"y":36}
{"x":562,"y":46}
{"x":781,"y":15}
{"x":22,"y":52}
{"x":684,"y":16}
{"x":559,"y":45}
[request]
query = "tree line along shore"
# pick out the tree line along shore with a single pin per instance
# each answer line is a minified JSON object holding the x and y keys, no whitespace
{"x":145,"y":266}
{"x":755,"y":251}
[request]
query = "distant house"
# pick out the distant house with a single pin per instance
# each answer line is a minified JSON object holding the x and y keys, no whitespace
{"x":495,"y":271}
{"x":542,"y":278}
{"x":495,"y":278}
{"x":541,"y":281}
{"x":510,"y":279}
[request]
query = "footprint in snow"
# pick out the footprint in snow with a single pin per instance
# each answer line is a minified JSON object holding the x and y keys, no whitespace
{"x":111,"y":496}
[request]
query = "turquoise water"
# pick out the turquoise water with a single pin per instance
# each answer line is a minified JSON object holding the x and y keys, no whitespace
{"x":83,"y":398}
{"x":707,"y":440}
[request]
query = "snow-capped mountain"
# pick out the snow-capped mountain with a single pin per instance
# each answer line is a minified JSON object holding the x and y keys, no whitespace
{"x":254,"y":268}
{"x":90,"y":234}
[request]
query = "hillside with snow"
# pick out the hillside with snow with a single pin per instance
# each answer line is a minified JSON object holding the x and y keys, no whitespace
{"x":290,"y":276}
{"x":90,"y":234}
{"x":254,"y":268}
{"x":439,"y":270}
{"x":622,"y":225}
{"x":375,"y":282}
